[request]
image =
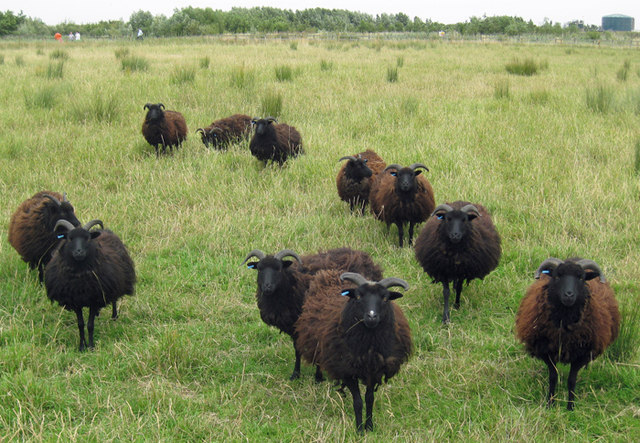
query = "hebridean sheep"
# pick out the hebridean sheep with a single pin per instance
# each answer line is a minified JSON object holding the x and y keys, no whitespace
{"x":459,"y":242}
{"x":274,"y":141}
{"x":354,"y":333}
{"x":402,"y":195}
{"x":283,"y":284}
{"x":31,"y":227}
{"x":225,"y":131}
{"x":569,"y":316}
{"x":90,"y":268}
{"x":355,"y":177}
{"x":166,"y":128}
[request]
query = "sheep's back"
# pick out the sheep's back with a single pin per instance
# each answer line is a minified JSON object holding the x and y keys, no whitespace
{"x":342,"y":259}
{"x":387,"y":206}
{"x":289,"y":139}
{"x":177,"y":127}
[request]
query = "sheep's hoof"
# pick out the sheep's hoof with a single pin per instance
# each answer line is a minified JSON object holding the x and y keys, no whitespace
{"x":319,"y":379}
{"x":295,"y":375}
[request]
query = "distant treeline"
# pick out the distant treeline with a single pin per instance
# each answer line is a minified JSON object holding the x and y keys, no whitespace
{"x":198,"y":21}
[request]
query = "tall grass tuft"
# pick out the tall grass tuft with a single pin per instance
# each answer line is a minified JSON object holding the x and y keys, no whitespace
{"x":539,"y":97}
{"x":241,"y":77}
{"x":19,"y":60}
{"x":326,"y":65}
{"x":400,"y":62}
{"x":121,"y":53}
{"x":293,"y":46}
{"x":132,"y":63}
{"x":284,"y":73}
{"x":182,"y":75}
{"x":623,"y":72}
{"x":1,"y":59}
{"x":271,"y":105}
{"x":59,"y":54}
{"x":501,"y":89}
{"x":526,"y":67}
{"x":43,"y":98}
{"x":55,"y":70}
{"x":98,"y":107}
{"x":637,"y":160}
{"x":204,"y":62}
{"x":600,"y":98}
{"x":627,"y":344}
{"x":392,"y":74}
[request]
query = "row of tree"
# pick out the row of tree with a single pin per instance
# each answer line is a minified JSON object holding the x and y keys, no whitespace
{"x":198,"y":21}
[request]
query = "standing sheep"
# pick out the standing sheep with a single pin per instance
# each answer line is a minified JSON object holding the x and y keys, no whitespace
{"x":166,"y":128}
{"x":356,"y":176}
{"x":459,"y":242}
{"x":275,"y":142}
{"x":567,"y":316}
{"x":354,"y":333}
{"x":282,"y":284}
{"x":225,"y":131}
{"x":402,"y":196}
{"x":90,"y":268}
{"x":31,"y":227}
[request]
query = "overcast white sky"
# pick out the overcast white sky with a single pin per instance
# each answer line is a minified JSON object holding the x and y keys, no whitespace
{"x":53,"y":12}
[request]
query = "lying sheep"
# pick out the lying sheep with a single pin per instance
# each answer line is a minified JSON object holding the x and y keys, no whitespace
{"x":225,"y":131}
{"x":90,"y":268}
{"x":276,"y":142}
{"x":282,"y":284}
{"x":31,"y":227}
{"x":459,"y":242}
{"x":400,"y":196}
{"x":166,"y":128}
{"x":355,"y":177}
{"x":354,"y":333}
{"x":569,"y":316}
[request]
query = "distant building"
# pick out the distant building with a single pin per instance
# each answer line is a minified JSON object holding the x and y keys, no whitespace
{"x":618,"y":22}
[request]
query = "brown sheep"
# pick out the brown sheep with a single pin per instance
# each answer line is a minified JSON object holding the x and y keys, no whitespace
{"x":225,"y":131}
{"x":166,"y":128}
{"x":355,"y":333}
{"x":356,"y":176}
{"x":276,"y":142}
{"x":567,"y":316}
{"x":459,"y":242}
{"x":402,"y":195}
{"x":31,"y":227}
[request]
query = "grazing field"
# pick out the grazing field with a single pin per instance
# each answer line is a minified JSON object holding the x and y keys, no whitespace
{"x":553,"y":155}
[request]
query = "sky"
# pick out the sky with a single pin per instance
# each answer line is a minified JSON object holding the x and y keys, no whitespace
{"x":54,"y":12}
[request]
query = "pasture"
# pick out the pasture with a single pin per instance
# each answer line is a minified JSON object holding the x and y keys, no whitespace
{"x":553,"y":156}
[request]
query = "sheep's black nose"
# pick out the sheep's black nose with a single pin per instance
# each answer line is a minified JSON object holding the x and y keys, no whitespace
{"x":568,"y":298}
{"x":371,"y":319}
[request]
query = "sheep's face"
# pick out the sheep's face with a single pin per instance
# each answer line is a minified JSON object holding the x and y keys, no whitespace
{"x":456,"y":224}
{"x":270,"y":273}
{"x":370,"y":304}
{"x":568,"y":284}
{"x":63,"y":211}
{"x":358,"y":169}
{"x":155,"y":112}
{"x":406,"y":180}
{"x":263,"y":126}
{"x":78,"y":242}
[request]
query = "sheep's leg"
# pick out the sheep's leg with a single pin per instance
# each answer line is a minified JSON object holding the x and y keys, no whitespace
{"x":573,"y":375}
{"x":445,"y":295}
{"x":458,"y":285}
{"x":93,"y":313}
{"x":368,"y":400}
{"x":296,"y":368}
{"x":114,"y":310}
{"x":319,"y":376}
{"x":400,"y":226}
{"x":411,"y":226}
{"x":353,"y":386}
{"x":83,"y":343}
{"x":553,"y":380}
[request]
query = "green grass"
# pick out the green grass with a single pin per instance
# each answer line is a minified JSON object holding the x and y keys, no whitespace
{"x":133,"y":63}
{"x":205,"y":62}
{"x":59,"y":54}
{"x":526,"y":67}
{"x":600,"y":98}
{"x":501,"y":89}
{"x":183,"y":74}
{"x":189,"y":359}
{"x":392,"y":74}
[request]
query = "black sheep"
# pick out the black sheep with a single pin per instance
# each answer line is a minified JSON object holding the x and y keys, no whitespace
{"x":356,"y":176}
{"x":221,"y":133}
{"x":282,"y":284}
{"x":166,"y":128}
{"x":31,"y":227}
{"x":90,"y":268}
{"x":354,"y":333}
{"x":276,"y":142}
{"x":568,"y":315}
{"x":459,"y":242}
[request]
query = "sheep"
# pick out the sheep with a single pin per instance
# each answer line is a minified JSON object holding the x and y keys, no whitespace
{"x":459,"y":242}
{"x":355,"y":177}
{"x":31,"y":227}
{"x":402,"y":196}
{"x":282,"y":284}
{"x":90,"y":268}
{"x":221,"y":133}
{"x":275,"y":142}
{"x":361,"y":336}
{"x":567,"y":316}
{"x":166,"y":128}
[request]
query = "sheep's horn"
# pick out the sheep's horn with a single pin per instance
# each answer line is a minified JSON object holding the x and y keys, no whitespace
{"x":161,"y":105}
{"x":287,"y":253}
{"x":348,"y":157}
{"x":419,"y":165}
{"x":64,"y":223}
{"x":393,"y":281}
{"x":53,"y":199}
{"x":93,"y":223}
{"x":200,"y":130}
{"x":146,"y":106}
{"x":590,"y":264}
{"x":442,"y":207}
{"x":393,"y":166}
{"x":551,"y":263}
{"x":470,"y":208}
{"x":271,"y":119}
{"x":255,"y":253}
{"x":355,"y":278}
{"x":64,"y":197}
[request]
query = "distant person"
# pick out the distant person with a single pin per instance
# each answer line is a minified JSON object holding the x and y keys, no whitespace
{"x":58,"y":36}
{"x":71,"y":36}
{"x":77,"y":36}
{"x":140,"y":34}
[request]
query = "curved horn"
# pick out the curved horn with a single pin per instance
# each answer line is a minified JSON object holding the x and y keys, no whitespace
{"x":470,"y":208}
{"x":93,"y":223}
{"x":393,"y":166}
{"x":442,"y":207}
{"x":393,"y":281}
{"x":419,"y":165}
{"x":271,"y":119}
{"x":551,"y":262}
{"x":64,"y":197}
{"x":287,"y":253}
{"x":64,"y":223}
{"x":200,"y":130}
{"x":53,"y":199}
{"x":161,"y":105}
{"x":146,"y":106}
{"x":355,"y":278}
{"x":590,"y":264}
{"x":348,"y":157}
{"x":255,"y":253}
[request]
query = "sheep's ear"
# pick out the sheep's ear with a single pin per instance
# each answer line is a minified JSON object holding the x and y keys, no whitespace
{"x":252,"y":265}
{"x":351,"y":293}
{"x":471,"y":215}
{"x":418,"y":172}
{"x":393,"y":295}
{"x":95,"y":234}
{"x":590,"y":274}
{"x":286,"y":263}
